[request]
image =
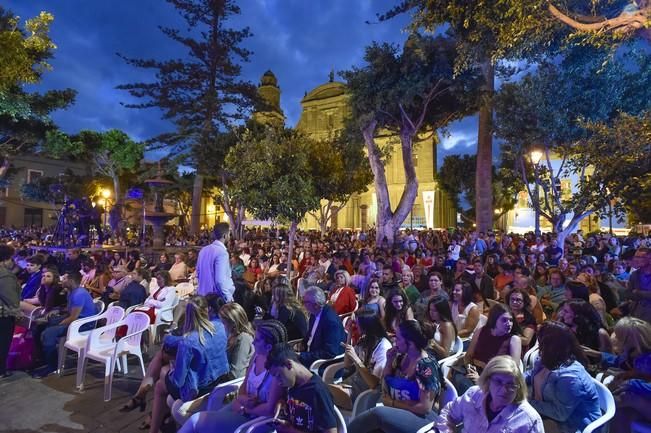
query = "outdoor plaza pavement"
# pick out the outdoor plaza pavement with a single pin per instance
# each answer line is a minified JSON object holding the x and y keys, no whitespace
{"x":29,"y":405}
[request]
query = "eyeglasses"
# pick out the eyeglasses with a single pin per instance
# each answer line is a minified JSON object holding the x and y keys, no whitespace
{"x":509,"y":386}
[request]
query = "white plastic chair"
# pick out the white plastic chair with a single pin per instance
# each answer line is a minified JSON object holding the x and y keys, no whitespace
{"x":530,"y":357}
{"x":183,"y":290}
{"x":449,"y":394}
{"x":33,"y":315}
{"x":153,"y":286}
{"x":446,"y":363}
{"x":252,"y":425}
{"x":109,"y":353}
{"x":76,"y":340}
{"x":330,"y":371}
{"x":213,"y":401}
{"x":607,"y":405}
{"x":153,"y":328}
{"x":74,"y":327}
{"x":314,"y":368}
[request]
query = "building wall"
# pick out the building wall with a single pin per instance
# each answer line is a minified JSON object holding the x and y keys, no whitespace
{"x":324,"y":111}
{"x":14,"y":210}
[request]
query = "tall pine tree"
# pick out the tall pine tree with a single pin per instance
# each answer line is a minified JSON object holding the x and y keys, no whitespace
{"x":202,"y":93}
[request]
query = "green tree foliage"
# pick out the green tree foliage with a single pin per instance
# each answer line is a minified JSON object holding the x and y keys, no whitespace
{"x":112,"y":154}
{"x":408,"y":93}
{"x":579,"y":110}
{"x":342,"y":169}
{"x":272,"y":174}
{"x":201,"y":94}
{"x":487,"y":32}
{"x":24,"y":116}
{"x":25,"y":51}
{"x":54,"y":189}
{"x":457,"y":177}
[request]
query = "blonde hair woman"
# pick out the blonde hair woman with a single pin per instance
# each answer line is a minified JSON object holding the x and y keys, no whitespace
{"x":498,"y":401}
{"x":240,"y":338}
{"x":287,"y":310}
{"x":200,"y":363}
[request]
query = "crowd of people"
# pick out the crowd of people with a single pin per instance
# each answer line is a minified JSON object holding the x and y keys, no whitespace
{"x":392,"y":312}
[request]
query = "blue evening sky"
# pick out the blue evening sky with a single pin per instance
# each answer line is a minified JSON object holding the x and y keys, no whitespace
{"x":300,"y":41}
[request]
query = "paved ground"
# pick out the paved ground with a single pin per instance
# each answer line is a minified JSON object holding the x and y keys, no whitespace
{"x":53,"y":405}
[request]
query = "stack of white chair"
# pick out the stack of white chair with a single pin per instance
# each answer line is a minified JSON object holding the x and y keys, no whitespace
{"x":110,"y":352}
{"x":74,"y":328}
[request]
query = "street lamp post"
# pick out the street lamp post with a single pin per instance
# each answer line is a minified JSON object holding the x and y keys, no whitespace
{"x":610,"y":212}
{"x":536,"y":156}
{"x":106,"y":195}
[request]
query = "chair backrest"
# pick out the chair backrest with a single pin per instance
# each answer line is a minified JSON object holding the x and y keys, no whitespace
{"x":530,"y":357}
{"x":365,"y":401}
{"x":136,"y":322}
{"x":99,"y":304}
{"x":457,"y":347}
{"x":449,"y":394}
{"x":113,"y":314}
{"x":153,"y":286}
{"x":607,"y":405}
{"x":184,"y":289}
{"x":341,"y":423}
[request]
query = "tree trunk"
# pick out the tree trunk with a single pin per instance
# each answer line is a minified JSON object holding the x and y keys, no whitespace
{"x":236,"y":217}
{"x":197,"y":193}
{"x":384,"y":226}
{"x":484,"y":181}
{"x":290,"y":253}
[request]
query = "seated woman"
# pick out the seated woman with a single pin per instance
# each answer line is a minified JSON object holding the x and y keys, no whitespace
{"x":397,"y":311}
{"x":257,"y":395}
{"x":133,"y":261}
{"x":632,"y":339}
{"x":163,"y":264}
{"x":439,"y":327}
{"x":363,"y":363}
{"x":519,"y":303}
{"x":407,"y":284}
{"x":435,"y":288}
{"x":499,"y":403}
{"x":465,"y":313}
{"x":287,"y":310}
{"x":97,"y":287}
{"x":412,"y":383}
{"x":240,"y":338}
{"x":497,"y":337}
{"x":179,"y":269}
{"x":50,"y":295}
{"x":373,"y":300}
{"x":342,"y":296}
{"x":200,"y":361}
{"x":560,"y":388}
{"x":584,"y":321}
{"x":163,"y":297}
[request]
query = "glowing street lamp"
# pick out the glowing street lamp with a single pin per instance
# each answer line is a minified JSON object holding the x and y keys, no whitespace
{"x":536,"y":155}
{"x":104,"y":201}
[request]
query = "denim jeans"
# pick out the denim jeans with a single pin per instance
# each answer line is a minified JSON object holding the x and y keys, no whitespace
{"x":389,"y":420}
{"x":50,"y":342}
{"x":6,"y":336}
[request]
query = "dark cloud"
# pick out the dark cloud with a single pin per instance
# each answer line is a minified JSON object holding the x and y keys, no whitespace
{"x":300,"y":41}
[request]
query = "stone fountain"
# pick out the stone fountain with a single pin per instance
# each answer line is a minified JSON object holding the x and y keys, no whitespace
{"x":158,"y":217}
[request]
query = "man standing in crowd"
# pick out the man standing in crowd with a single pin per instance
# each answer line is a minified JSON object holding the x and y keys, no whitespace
{"x":9,"y":304}
{"x":639,"y":284}
{"x":213,"y":266}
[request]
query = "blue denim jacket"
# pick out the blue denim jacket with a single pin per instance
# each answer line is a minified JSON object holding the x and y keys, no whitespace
{"x":569,"y":396}
{"x":199,"y":365}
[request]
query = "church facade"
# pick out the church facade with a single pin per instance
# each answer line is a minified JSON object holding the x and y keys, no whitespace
{"x":324,"y":110}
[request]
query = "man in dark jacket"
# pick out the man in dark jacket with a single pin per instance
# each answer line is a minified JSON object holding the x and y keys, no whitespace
{"x":325,"y":330}
{"x":9,"y":304}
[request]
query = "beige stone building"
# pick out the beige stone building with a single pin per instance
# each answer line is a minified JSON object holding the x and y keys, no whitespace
{"x":323,"y":111}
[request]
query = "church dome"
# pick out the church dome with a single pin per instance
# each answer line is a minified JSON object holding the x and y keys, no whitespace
{"x":269,"y":79}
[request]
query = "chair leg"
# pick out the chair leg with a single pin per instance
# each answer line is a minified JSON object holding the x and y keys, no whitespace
{"x":125,"y":366}
{"x":142,"y":364}
{"x":108,"y":378}
{"x":80,"y":362}
{"x":83,"y":363}
{"x":61,"y":359}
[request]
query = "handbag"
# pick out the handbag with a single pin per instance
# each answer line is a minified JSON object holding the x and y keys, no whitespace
{"x":21,"y":350}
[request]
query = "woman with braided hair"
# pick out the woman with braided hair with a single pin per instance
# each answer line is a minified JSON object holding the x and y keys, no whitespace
{"x":257,"y":395}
